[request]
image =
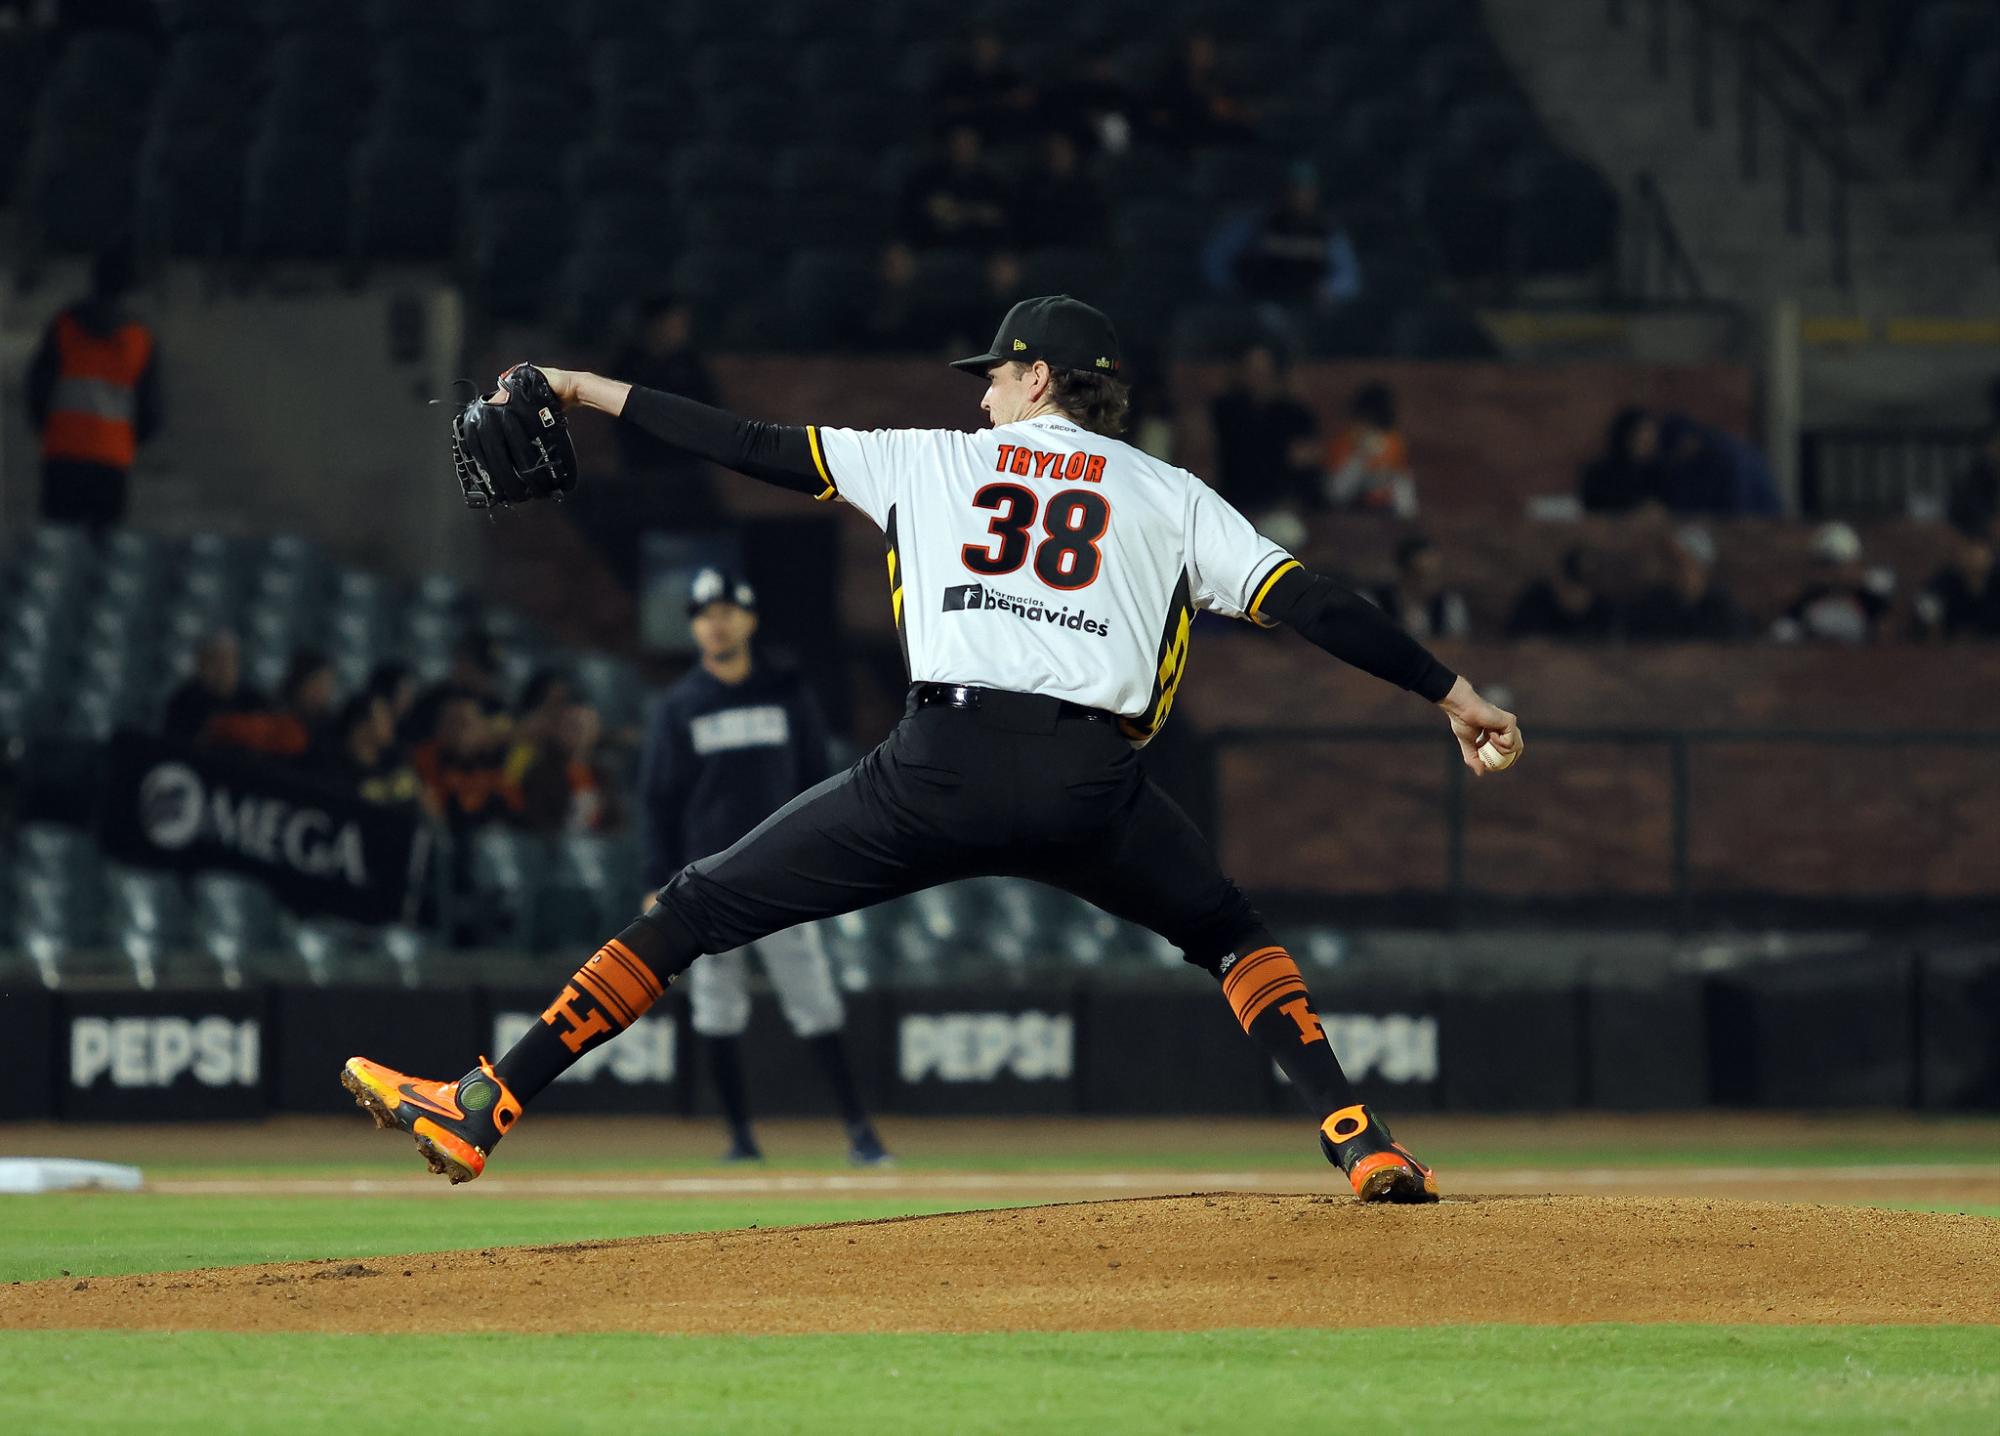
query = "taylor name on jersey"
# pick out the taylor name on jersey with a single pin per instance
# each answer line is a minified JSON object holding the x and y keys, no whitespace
{"x":1040,"y":558}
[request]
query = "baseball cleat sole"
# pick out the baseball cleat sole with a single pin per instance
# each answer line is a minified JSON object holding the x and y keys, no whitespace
{"x":366,"y":1097}
{"x":446,"y":1155}
{"x":1386,"y":1177}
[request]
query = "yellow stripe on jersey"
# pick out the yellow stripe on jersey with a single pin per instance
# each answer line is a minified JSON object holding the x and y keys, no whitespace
{"x":831,"y":491}
{"x":1167,"y":676}
{"x":1264,"y":588}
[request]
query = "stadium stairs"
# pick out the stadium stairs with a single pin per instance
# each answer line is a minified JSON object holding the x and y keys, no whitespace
{"x":1913,"y":251}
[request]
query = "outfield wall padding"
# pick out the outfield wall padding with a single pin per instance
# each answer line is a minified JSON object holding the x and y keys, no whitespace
{"x":1858,"y":1030}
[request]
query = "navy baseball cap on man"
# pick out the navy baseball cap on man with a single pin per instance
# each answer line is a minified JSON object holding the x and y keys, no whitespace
{"x":717,"y":585}
{"x":1066,"y":332}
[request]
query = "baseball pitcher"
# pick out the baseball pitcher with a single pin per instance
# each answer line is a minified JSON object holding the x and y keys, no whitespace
{"x":1043,"y":575}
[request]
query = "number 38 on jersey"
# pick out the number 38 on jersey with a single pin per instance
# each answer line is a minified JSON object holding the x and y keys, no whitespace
{"x":1066,"y":557}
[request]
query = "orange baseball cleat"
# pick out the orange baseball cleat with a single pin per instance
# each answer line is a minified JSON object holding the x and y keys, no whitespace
{"x":456,"y":1124}
{"x":1380,"y":1168}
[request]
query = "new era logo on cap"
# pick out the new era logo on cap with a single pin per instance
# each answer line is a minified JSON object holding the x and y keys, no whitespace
{"x":1066,"y":332}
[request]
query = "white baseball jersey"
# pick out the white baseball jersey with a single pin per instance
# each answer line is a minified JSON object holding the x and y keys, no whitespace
{"x":1042,"y":558}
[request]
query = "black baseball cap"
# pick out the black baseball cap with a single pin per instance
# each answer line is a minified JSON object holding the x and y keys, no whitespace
{"x":1066,"y":332}
{"x":718,"y":585}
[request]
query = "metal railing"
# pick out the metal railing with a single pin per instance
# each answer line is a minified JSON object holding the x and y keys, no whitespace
{"x":1682,"y":895}
{"x":1880,"y":471}
{"x":1775,"y":87}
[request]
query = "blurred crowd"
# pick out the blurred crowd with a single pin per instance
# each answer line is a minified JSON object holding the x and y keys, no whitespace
{"x":456,"y":749}
{"x":1665,"y":588}
{"x":1664,"y":477}
{"x":1277,"y":462}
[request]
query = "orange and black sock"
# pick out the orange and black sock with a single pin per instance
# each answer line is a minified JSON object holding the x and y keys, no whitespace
{"x":601,"y":999}
{"x":1269,"y":996}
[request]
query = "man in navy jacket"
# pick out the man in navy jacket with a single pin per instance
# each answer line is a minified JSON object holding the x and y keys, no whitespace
{"x":729,"y":745}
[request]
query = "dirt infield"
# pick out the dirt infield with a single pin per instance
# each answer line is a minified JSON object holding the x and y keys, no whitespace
{"x":1184,"y":1263}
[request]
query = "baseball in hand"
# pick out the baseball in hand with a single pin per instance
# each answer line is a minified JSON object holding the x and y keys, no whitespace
{"x":1496,"y":759}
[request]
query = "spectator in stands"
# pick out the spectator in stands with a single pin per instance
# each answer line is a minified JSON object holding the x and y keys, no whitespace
{"x":547,"y":693}
{"x":462,"y":770}
{"x":959,"y":202}
{"x":1626,"y":476}
{"x":1293,"y":253}
{"x":1190,"y":106}
{"x":214,"y":689}
{"x":297,"y":728}
{"x":1963,"y":599}
{"x":1368,"y":464}
{"x":474,"y":674}
{"x":1571,"y":603}
{"x":1845,"y":601}
{"x":1266,"y":446}
{"x":1687,"y":604}
{"x":1419,"y":598}
{"x":94,"y":394}
{"x":365,"y":757}
{"x":562,"y":789}
{"x":1706,"y":470}
{"x":1672,"y":460}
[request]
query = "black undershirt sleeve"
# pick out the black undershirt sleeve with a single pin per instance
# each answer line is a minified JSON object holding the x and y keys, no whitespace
{"x":780,"y":454}
{"x":1352,"y":629}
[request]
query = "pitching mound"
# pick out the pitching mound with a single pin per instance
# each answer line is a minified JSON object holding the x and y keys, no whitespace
{"x":1179,"y":1263}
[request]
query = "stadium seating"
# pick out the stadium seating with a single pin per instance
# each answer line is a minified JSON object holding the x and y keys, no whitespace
{"x":296,"y":131}
{"x":96,"y":637}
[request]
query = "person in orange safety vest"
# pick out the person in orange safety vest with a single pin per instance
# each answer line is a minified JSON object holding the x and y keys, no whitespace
{"x":93,"y":389}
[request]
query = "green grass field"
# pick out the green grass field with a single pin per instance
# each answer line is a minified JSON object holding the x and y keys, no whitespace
{"x":1540,"y":1379}
{"x":1492,"y":1379}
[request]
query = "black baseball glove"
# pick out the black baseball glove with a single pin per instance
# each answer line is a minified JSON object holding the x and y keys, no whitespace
{"x":514,"y":452}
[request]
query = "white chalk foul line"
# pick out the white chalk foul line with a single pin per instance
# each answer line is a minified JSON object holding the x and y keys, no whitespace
{"x":1029,"y":1183}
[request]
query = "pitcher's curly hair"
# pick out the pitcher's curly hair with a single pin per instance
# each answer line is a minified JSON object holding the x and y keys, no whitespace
{"x":1096,"y":401}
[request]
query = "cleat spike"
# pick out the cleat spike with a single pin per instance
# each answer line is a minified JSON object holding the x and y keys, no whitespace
{"x":454,"y":1142}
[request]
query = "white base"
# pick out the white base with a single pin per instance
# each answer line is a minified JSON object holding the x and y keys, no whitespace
{"x":22,"y":1175}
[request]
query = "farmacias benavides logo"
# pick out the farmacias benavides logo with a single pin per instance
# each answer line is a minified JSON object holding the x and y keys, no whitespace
{"x":978,"y":598}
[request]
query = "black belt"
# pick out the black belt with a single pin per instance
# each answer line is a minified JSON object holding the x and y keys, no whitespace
{"x":964,"y":695}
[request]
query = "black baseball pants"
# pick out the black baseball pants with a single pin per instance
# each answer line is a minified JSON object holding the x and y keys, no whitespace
{"x":1019,"y":786}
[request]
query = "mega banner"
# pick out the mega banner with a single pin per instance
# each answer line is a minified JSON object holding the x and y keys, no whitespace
{"x":171,"y":805}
